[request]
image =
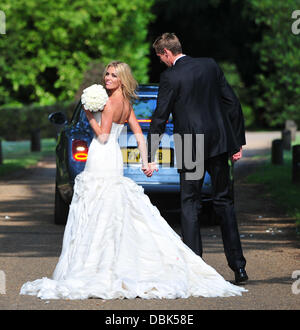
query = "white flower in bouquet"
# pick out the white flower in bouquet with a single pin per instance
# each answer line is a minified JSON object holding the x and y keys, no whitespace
{"x":94,"y":98}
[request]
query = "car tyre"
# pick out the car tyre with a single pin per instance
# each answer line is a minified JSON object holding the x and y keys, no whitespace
{"x":61,"y":209}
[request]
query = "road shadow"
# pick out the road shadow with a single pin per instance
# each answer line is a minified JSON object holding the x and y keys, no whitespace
{"x":30,"y":230}
{"x":27,"y":213}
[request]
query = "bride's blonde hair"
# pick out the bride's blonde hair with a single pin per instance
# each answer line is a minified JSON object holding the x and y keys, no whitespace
{"x":129,"y":84}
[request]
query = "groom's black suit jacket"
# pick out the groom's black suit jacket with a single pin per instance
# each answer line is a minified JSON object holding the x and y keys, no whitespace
{"x":201,"y":101}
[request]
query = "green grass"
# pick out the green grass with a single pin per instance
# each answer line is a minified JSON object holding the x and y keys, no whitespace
{"x":278,"y":181}
{"x":17,"y":154}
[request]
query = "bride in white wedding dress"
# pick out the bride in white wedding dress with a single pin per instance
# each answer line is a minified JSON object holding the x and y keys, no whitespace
{"x":116,"y":244}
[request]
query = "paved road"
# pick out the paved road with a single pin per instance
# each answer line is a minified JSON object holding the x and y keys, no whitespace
{"x":30,"y":245}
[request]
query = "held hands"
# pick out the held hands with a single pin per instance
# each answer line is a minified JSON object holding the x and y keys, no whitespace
{"x":149,"y":169}
{"x":237,"y":156}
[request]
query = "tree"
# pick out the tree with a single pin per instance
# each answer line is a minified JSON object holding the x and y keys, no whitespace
{"x":48,"y":45}
{"x":212,"y":28}
{"x":252,"y":36}
{"x":276,"y":93}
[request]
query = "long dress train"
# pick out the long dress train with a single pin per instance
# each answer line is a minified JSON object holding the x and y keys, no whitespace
{"x":117,"y":245}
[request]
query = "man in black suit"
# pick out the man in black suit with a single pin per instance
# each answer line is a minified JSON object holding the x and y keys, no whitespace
{"x":202,"y":103}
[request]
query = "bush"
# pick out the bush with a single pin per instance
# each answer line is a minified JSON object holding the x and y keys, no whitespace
{"x":49,"y":45}
{"x":234,"y":79}
{"x":276,"y":92}
{"x":18,"y":123}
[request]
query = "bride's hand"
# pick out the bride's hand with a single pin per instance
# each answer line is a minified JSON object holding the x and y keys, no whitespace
{"x":88,"y":114}
{"x":149,"y":169}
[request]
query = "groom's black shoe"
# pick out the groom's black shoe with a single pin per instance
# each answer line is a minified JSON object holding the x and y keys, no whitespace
{"x":240,"y":275}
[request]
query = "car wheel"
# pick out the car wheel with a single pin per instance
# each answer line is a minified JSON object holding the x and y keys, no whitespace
{"x":61,"y":209}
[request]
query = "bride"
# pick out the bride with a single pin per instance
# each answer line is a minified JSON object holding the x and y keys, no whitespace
{"x":116,"y":244}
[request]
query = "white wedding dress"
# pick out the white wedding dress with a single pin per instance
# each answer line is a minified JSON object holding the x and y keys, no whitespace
{"x":117,"y":245}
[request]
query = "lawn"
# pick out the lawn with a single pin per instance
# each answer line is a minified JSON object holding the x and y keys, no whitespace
{"x":278,"y":180}
{"x":17,"y":154}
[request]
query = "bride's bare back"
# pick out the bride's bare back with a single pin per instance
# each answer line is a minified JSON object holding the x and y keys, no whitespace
{"x":121,"y":109}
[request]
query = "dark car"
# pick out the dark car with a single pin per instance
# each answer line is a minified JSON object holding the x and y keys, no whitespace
{"x":72,"y":152}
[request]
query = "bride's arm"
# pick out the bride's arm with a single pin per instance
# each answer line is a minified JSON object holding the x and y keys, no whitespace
{"x":102,"y":131}
{"x":141,"y":142}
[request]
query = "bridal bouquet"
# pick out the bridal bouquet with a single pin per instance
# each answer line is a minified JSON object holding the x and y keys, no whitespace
{"x":94,"y":98}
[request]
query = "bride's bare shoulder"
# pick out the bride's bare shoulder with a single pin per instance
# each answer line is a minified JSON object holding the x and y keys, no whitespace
{"x":109,"y":106}
{"x":109,"y":103}
{"x":119,"y":109}
{"x":112,"y":103}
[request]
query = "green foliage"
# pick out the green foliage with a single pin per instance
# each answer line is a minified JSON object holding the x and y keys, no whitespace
{"x":17,"y":155}
{"x":255,"y":35}
{"x":48,"y":45}
{"x":277,"y":179}
{"x":249,"y":115}
{"x":276,"y":92}
{"x":234,"y":79}
{"x":18,"y":123}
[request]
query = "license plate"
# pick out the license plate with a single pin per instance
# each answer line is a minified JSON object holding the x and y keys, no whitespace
{"x":132,"y":156}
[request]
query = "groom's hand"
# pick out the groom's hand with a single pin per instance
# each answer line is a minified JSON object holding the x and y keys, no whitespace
{"x":237,"y":156}
{"x":149,"y":169}
{"x":153,"y":167}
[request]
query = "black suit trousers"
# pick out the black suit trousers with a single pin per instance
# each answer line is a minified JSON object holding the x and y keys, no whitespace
{"x":223,"y":203}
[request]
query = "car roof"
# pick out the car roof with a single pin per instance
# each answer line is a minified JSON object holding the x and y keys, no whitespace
{"x":147,"y":90}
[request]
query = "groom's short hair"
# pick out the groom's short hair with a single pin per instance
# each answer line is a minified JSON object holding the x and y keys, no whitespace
{"x":169,"y":41}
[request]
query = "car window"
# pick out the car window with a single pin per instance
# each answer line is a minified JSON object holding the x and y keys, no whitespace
{"x":83,"y":117}
{"x":76,"y":113}
{"x":144,"y":107}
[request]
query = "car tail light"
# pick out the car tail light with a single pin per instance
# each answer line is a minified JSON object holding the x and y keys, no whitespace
{"x":144,"y":120}
{"x":80,"y":150}
{"x":141,"y":121}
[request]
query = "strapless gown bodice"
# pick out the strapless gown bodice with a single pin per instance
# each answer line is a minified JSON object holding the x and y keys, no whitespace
{"x":105,"y":159}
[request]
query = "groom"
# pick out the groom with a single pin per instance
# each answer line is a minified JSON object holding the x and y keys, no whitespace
{"x":201,"y":101}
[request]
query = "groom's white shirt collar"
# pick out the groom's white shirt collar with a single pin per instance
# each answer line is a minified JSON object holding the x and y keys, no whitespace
{"x":178,"y":59}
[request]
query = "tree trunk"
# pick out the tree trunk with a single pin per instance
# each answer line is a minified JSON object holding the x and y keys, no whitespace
{"x":35,"y":140}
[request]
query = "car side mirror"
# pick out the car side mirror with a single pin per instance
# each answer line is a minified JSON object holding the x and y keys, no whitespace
{"x":58,"y":118}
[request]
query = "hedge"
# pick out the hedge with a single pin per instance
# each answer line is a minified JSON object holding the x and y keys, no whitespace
{"x":19,"y":123}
